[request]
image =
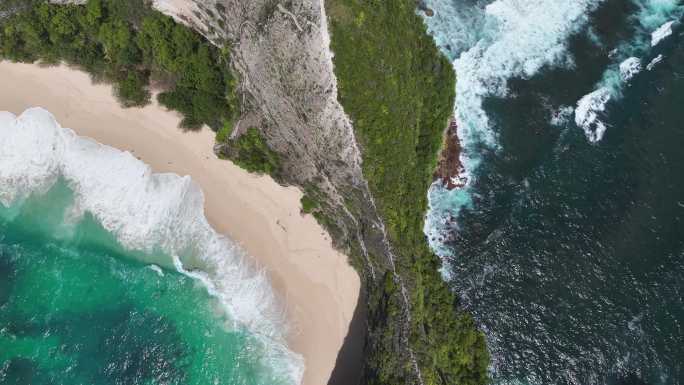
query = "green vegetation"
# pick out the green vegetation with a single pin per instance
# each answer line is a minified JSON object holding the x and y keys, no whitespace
{"x":308,"y":204}
{"x":399,"y":90}
{"x":129,"y":44}
{"x":254,"y":155}
{"x":223,"y":134}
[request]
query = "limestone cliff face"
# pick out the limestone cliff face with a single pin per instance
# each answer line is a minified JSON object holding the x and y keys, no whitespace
{"x":280,"y":51}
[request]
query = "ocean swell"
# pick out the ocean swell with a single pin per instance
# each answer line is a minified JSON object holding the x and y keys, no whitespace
{"x":492,"y":42}
{"x":150,"y":213}
{"x":653,"y":23}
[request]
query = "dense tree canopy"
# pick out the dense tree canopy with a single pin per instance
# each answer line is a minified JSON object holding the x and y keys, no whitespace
{"x":129,"y":44}
{"x":254,"y":155}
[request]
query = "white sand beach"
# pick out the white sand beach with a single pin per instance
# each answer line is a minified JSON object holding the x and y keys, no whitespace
{"x":314,"y":281}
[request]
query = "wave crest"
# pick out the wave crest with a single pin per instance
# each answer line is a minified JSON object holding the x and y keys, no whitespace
{"x":653,"y":23}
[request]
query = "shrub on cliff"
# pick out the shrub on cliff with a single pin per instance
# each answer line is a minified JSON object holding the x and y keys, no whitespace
{"x":254,"y":155}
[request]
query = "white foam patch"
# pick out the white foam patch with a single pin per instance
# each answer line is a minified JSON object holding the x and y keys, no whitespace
{"x":455,"y":29}
{"x":629,"y":68}
{"x":444,"y":207}
{"x":156,"y":269}
{"x":588,"y":111}
{"x":146,"y":212}
{"x":661,"y":33}
{"x":654,"y":62}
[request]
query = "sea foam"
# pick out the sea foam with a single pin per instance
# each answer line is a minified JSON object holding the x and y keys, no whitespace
{"x":491,"y":42}
{"x":661,"y":33}
{"x":629,"y":68}
{"x":654,"y":62}
{"x":147,"y":212}
{"x":588,"y":112}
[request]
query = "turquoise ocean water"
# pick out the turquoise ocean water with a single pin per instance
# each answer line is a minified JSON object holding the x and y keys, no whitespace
{"x":76,"y":308}
{"x":80,"y":306}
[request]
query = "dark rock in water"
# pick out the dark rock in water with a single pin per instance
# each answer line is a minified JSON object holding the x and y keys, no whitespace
{"x":428,"y":12}
{"x":449,"y":169}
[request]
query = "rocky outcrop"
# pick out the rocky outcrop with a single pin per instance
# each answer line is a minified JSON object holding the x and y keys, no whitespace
{"x":449,"y":170}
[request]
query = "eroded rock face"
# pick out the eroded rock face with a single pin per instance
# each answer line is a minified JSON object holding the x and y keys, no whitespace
{"x":280,"y":50}
{"x":450,"y":170}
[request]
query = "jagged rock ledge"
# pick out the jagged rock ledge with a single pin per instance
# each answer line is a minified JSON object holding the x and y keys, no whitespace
{"x":449,"y":168}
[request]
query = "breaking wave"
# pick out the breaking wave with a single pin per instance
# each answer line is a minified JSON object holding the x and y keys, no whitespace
{"x":564,"y":246}
{"x":149,"y":213}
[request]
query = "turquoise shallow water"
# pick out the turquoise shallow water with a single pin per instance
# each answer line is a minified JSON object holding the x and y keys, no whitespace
{"x":75,"y":308}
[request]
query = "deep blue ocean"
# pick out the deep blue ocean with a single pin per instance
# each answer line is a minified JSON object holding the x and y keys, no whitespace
{"x":567,"y":244}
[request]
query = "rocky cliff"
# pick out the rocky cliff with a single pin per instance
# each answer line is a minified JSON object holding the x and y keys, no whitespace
{"x":280,"y":50}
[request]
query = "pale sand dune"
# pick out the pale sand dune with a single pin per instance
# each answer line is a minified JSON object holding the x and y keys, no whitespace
{"x":317,"y":284}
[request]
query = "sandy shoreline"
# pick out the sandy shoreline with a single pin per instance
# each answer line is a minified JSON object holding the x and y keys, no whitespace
{"x":319,"y":287}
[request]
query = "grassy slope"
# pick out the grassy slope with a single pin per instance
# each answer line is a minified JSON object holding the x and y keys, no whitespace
{"x":398,"y":90}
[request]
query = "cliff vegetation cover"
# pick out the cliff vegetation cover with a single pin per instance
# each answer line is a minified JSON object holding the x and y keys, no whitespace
{"x":398,"y":90}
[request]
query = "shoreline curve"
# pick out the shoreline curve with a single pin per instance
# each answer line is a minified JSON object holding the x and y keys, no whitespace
{"x":318,"y":287}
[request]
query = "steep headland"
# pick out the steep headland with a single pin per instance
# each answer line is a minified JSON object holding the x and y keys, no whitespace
{"x":449,"y":168}
{"x":398,"y":89}
{"x":364,"y":154}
